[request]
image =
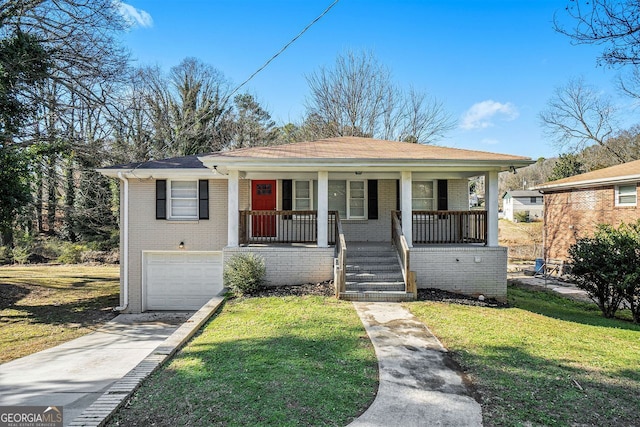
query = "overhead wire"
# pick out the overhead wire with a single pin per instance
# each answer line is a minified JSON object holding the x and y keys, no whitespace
{"x":283,"y":49}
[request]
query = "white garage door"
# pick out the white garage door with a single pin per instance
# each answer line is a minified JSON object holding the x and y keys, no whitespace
{"x":181,"y":280}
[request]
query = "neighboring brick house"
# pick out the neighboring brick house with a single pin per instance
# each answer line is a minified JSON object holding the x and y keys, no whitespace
{"x":574,"y":206}
{"x":305,"y":207}
{"x":529,"y":201}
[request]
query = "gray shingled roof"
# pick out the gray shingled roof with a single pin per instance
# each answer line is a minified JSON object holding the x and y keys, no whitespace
{"x":186,"y":162}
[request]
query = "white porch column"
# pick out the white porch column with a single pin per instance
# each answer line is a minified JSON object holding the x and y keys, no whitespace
{"x":233,"y":206}
{"x":491,"y":206}
{"x":405,"y":206}
{"x":323,"y":209}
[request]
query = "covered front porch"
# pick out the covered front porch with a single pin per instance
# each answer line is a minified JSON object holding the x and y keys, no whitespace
{"x":306,"y":206}
{"x":365,"y":213}
{"x":319,"y":244}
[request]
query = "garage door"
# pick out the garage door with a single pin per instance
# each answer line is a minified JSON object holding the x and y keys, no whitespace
{"x":181,"y":280}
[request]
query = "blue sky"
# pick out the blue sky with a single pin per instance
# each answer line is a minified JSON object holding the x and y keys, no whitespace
{"x":493,"y":63}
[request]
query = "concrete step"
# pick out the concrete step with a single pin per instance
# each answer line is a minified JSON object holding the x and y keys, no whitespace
{"x":395,"y":276}
{"x":371,"y":260}
{"x":377,"y":296}
{"x":369,"y":248}
{"x":367,"y":253}
{"x":371,"y":268}
{"x":377,"y":286}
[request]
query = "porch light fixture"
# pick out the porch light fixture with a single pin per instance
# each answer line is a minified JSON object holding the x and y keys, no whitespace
{"x":181,"y":245}
{"x":358,"y":172}
{"x":513,"y":169}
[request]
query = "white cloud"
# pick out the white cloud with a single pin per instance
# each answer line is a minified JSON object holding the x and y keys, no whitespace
{"x":135,"y":17}
{"x":482,"y":114}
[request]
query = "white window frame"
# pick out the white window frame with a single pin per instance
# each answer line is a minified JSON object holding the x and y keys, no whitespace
{"x":170,"y":215}
{"x":295,"y":199}
{"x":619,"y":194}
{"x":348,"y":196}
{"x":433,"y":199}
{"x":365,"y":199}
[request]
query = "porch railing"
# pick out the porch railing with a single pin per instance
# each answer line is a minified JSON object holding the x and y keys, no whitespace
{"x":256,"y":226}
{"x":400,"y":243}
{"x":340,"y":261}
{"x":432,"y":227}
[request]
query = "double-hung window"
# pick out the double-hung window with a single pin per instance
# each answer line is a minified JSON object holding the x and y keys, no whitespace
{"x":626,"y":195}
{"x":183,"y":200}
{"x":422,"y":196}
{"x":302,"y":195}
{"x":349,"y":198}
{"x":357,"y":199}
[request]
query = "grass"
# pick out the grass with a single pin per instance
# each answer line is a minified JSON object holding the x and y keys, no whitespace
{"x":265,"y":361}
{"x":524,"y":239}
{"x":546,"y":361}
{"x":43,"y":306}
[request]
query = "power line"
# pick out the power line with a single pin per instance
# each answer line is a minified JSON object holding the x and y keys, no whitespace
{"x":283,"y":49}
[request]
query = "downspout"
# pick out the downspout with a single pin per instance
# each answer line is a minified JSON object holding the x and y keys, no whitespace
{"x":124,"y":256}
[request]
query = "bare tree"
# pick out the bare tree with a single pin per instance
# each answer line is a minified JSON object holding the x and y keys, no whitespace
{"x":357,"y":97}
{"x":425,"y":119}
{"x":614,"y":24}
{"x":578,"y":116}
{"x":189,"y":109}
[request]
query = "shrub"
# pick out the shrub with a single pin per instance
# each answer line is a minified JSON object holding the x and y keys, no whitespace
{"x":521,"y":216}
{"x":71,"y":253}
{"x":244,"y":273}
{"x":6,"y":255}
{"x":607,"y":266}
{"x":20,"y":254}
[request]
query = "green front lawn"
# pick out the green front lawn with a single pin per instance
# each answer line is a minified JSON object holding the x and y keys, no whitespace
{"x":43,"y":306}
{"x":265,"y":361}
{"x":545,"y":361}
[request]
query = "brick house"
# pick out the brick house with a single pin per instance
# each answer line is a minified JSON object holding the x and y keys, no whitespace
{"x":574,"y":206}
{"x":380,"y":218}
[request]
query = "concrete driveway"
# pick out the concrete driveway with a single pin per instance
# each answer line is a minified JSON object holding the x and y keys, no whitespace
{"x":73,"y":375}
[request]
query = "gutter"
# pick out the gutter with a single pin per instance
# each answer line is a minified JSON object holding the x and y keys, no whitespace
{"x":124,"y":256}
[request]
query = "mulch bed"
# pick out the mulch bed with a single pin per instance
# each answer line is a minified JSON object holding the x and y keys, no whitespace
{"x":326,"y":289}
{"x":432,"y":294}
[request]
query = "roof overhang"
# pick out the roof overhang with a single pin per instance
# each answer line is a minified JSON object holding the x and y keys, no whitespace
{"x":473,"y":167}
{"x":200,"y":173}
{"x":600,"y":182}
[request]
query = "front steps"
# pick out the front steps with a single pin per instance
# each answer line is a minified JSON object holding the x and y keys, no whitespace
{"x":374,"y":274}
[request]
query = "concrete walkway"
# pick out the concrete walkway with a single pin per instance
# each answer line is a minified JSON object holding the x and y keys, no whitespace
{"x":566,"y":289}
{"x":418,"y":384}
{"x":79,"y":374}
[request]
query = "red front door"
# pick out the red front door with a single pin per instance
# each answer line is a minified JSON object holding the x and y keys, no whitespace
{"x":263,"y":198}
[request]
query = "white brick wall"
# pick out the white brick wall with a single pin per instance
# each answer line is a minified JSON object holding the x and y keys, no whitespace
{"x":471,"y":270}
{"x":291,"y":265}
{"x":148,"y":233}
{"x":374,"y":230}
{"x":458,"y":194}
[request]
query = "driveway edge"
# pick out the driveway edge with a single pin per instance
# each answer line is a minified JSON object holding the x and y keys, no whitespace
{"x":106,"y":405}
